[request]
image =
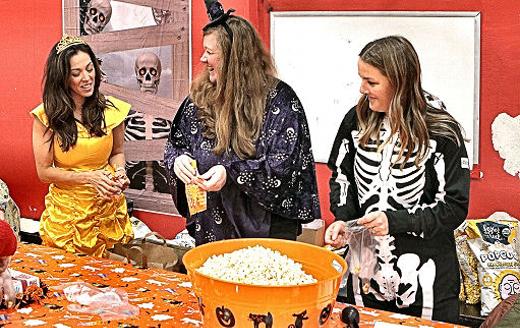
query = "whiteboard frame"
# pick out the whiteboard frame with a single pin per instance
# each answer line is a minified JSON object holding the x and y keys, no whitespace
{"x":477,"y":44}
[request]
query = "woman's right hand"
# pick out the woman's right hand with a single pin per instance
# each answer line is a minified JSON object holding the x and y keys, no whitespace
{"x":336,"y":234}
{"x":183,"y":169}
{"x":102,"y":181}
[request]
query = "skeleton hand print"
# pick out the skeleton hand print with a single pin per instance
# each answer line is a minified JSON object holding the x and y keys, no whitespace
{"x":162,"y":16}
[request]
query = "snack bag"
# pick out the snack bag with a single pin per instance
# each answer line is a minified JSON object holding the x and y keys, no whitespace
{"x":361,"y":257}
{"x":470,"y":286}
{"x":195,"y":195}
{"x":499,"y":267}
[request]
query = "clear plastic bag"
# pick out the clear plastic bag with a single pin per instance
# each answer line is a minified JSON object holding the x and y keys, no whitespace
{"x":361,"y":256}
{"x":109,"y":303}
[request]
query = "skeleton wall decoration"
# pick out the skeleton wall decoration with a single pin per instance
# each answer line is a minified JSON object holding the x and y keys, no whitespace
{"x":97,"y":16}
{"x":148,"y":175}
{"x":148,"y":72}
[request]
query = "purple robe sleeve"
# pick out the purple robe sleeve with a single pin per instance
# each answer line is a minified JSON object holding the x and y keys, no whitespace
{"x":281,"y":178}
{"x":178,"y":144}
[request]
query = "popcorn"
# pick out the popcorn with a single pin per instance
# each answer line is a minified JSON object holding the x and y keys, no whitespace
{"x":256,"y":265}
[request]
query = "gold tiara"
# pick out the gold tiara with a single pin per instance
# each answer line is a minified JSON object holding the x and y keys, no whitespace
{"x":67,"y":41}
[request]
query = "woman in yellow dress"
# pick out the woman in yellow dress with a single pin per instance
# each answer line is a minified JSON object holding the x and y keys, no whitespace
{"x":78,"y":149}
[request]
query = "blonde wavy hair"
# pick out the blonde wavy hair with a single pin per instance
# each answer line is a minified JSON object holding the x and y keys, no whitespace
{"x":410,"y":115}
{"x":232,"y":110}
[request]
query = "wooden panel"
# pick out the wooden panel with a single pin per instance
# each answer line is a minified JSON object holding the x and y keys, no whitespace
{"x":145,"y":150}
{"x":180,"y":74}
{"x":71,"y":17}
{"x":144,"y":103}
{"x":143,"y":37}
{"x":178,"y":6}
{"x":180,"y":63}
{"x":146,"y":200}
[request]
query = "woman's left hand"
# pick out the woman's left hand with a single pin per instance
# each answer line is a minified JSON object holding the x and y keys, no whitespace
{"x":376,"y":222}
{"x":214,"y":179}
{"x":121,"y":178}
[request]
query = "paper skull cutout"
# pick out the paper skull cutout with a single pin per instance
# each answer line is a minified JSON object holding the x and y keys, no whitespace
{"x":148,"y":72}
{"x":97,"y":16}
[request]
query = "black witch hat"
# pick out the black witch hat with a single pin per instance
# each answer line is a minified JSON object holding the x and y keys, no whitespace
{"x":217,"y":16}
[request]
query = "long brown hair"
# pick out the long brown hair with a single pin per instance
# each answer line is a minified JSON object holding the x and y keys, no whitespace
{"x":232,"y":110}
{"x":59,"y":104}
{"x":409,"y":114}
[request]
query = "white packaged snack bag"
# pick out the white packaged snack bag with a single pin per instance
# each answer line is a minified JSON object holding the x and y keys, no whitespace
{"x":493,"y":243}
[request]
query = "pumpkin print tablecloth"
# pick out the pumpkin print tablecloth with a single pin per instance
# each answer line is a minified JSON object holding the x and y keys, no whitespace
{"x":164,"y":298}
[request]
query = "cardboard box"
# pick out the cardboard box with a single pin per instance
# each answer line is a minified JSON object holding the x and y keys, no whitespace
{"x":145,"y":253}
{"x":313,"y":232}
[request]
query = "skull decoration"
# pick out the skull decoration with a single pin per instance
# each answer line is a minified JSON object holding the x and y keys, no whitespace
{"x":97,"y":16}
{"x":148,"y":72}
{"x":162,"y":16}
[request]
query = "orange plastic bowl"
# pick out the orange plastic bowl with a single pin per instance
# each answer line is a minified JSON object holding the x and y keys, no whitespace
{"x":230,"y":304}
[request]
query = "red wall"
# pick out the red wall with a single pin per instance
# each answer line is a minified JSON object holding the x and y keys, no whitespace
{"x":500,"y":84}
{"x":29,"y":28}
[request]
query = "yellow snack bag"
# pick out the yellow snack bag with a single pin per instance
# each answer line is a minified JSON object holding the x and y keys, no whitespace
{"x":498,"y":261}
{"x":470,"y":293}
{"x":195,"y":195}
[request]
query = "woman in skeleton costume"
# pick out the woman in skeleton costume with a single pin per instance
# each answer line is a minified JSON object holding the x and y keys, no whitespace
{"x":78,"y":148}
{"x":400,"y":168}
{"x":248,"y":134}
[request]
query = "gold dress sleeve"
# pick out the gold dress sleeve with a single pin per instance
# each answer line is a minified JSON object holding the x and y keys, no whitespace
{"x":75,"y":217}
{"x":39,"y":113}
{"x":116,"y":114}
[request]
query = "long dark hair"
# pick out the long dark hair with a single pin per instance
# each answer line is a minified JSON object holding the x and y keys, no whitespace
{"x":410,"y":115}
{"x":232,"y":111}
{"x":59,"y":104}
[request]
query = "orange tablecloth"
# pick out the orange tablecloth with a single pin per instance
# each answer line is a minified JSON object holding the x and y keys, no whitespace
{"x":165,"y":298}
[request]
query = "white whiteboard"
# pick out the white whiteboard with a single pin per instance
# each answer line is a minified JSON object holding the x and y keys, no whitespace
{"x":317,"y":52}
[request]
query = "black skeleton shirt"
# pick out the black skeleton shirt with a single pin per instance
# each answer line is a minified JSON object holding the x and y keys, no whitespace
{"x":417,"y":266}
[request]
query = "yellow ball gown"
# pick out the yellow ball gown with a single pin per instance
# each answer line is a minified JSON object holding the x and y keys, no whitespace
{"x":75,"y":217}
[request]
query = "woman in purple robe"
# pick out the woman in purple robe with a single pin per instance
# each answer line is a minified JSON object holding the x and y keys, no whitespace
{"x":248,"y":134}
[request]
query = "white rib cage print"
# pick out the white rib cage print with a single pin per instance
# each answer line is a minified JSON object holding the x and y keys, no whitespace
{"x":382,"y":184}
{"x":136,"y":126}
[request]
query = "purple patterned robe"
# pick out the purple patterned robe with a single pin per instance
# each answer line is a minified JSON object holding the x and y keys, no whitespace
{"x":279,"y":181}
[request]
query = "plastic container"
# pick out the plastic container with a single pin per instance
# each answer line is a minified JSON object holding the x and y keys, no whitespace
{"x":229,"y":304}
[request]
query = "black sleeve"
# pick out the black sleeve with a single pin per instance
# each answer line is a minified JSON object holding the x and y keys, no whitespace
{"x":176,"y":145}
{"x":344,"y":202}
